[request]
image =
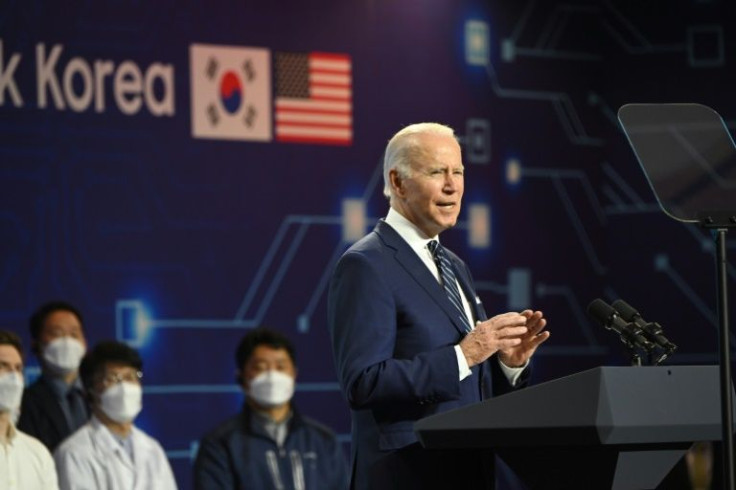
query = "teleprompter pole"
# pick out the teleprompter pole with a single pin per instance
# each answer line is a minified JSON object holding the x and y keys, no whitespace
{"x":725,"y":360}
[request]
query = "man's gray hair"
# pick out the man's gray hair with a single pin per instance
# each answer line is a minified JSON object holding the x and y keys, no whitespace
{"x":404,"y":147}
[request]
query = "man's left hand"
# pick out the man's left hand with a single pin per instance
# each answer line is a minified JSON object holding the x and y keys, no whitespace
{"x":518,"y":355}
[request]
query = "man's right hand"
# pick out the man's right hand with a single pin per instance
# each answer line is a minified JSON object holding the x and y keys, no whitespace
{"x":500,"y":332}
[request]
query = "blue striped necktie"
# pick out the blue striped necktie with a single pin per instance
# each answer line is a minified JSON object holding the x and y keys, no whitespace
{"x":449,"y":281}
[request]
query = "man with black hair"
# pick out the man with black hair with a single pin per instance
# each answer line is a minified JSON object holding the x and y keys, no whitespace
{"x":25,"y":463}
{"x":109,"y":452}
{"x":54,"y":406}
{"x":269,"y":444}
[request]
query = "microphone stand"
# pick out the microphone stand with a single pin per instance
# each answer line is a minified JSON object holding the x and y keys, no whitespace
{"x":725,"y":355}
{"x":635,"y":359}
{"x":632,"y":348}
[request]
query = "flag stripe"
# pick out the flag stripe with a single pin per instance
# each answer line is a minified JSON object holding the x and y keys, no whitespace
{"x":282,"y":112}
{"x":298,"y":125}
{"x":332,"y":85}
{"x":315,"y":139}
{"x":311,"y":117}
{"x":330,"y":56}
{"x":302,"y":131}
{"x":313,"y":105}
{"x":329,"y":65}
{"x":337,"y":93}
{"x":339,"y":79}
{"x":329,"y":72}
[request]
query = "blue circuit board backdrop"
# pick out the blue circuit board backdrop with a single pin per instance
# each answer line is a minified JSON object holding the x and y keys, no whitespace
{"x":155,"y":174}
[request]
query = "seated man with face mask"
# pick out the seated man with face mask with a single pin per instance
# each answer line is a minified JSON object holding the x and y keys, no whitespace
{"x":109,"y":452}
{"x":54,"y":406}
{"x":25,"y":463}
{"x":269,"y":444}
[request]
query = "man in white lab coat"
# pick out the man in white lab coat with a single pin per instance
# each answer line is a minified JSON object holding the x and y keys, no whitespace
{"x":109,"y":452}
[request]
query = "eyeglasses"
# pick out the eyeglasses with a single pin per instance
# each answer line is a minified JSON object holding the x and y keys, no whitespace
{"x":127,"y":377}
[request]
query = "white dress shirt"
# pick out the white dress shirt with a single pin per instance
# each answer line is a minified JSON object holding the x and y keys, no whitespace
{"x":25,"y":463}
{"x":93,"y":459}
{"x":417,"y":240}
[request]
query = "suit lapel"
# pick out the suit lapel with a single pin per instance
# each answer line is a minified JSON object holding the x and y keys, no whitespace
{"x":414,"y":266}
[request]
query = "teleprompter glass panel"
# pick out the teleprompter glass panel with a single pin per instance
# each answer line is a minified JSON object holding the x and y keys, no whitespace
{"x":688,"y":157}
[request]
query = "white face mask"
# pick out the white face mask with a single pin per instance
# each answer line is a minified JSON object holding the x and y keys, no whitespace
{"x":122,"y":402}
{"x":63,"y":355}
{"x":271,"y":388}
{"x":11,"y":392}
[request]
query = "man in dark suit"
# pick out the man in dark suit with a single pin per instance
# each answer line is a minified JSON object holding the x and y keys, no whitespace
{"x":54,"y":406}
{"x":409,"y":335}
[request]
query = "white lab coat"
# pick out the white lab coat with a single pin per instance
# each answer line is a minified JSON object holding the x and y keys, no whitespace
{"x":92,"y":459}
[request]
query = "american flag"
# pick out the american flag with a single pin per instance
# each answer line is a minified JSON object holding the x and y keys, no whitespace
{"x":314,"y":96}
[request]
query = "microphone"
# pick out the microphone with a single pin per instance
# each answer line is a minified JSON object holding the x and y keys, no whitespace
{"x":630,"y":334}
{"x":652,"y":330}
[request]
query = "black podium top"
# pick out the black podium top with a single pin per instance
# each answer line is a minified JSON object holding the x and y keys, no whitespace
{"x":602,"y":406}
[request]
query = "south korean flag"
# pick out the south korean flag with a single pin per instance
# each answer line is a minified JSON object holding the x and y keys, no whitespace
{"x":231,"y":92}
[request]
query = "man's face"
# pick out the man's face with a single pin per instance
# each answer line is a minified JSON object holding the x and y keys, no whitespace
{"x":61,"y":323}
{"x":265,"y":358}
{"x":116,"y":393}
{"x":10,"y":360}
{"x":431,"y":196}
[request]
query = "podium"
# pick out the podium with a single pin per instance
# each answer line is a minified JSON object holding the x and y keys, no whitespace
{"x":608,"y":427}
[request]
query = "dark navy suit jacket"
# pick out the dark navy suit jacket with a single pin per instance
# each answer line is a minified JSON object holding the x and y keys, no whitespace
{"x":42,"y":417}
{"x":393,"y":333}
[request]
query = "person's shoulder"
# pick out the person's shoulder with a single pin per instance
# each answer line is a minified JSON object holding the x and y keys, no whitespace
{"x":365,"y":257}
{"x":37,"y":389}
{"x":32,"y":450}
{"x":31,"y":442}
{"x":379,"y":244}
{"x":145,"y":438}
{"x":369,"y":243}
{"x":226,"y":428}
{"x":78,"y":441}
{"x":82,"y":434}
{"x":145,"y":442}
